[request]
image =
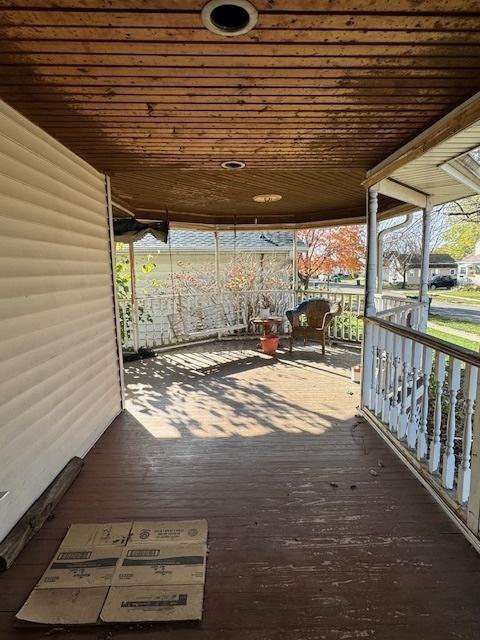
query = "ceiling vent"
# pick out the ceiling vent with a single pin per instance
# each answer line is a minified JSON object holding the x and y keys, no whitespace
{"x":229,"y":18}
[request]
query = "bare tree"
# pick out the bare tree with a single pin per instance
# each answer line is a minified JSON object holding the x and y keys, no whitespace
{"x":404,"y":248}
{"x":466,"y":208}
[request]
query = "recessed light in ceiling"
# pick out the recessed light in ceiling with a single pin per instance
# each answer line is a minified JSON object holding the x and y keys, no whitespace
{"x":232,"y":18}
{"x":267,"y":197}
{"x":233,"y":164}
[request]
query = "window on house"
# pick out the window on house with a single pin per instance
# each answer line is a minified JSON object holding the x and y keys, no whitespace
{"x":452,"y":272}
{"x":463,"y":271}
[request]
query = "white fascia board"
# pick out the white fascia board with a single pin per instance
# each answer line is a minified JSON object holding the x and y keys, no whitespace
{"x":402,"y":192}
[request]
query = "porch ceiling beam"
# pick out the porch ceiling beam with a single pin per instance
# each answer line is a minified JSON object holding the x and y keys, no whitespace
{"x":402,"y":192}
{"x":457,"y":120}
{"x":461,"y":174}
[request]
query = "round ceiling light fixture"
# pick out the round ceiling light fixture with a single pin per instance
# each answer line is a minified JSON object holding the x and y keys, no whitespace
{"x":267,"y":197}
{"x":233,"y":164}
{"x":232,"y":18}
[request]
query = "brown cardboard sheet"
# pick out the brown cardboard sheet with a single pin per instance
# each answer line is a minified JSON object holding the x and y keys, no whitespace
{"x":153,"y":604}
{"x":64,"y":606}
{"x":154,"y":532}
{"x":123,"y":572}
{"x":97,"y":535}
{"x":168,"y":563}
{"x":81,"y":567}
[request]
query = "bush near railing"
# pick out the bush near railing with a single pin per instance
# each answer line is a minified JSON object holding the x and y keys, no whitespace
{"x":125,"y":313}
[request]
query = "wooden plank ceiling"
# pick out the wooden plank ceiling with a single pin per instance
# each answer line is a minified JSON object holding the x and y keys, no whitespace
{"x":313,"y":96}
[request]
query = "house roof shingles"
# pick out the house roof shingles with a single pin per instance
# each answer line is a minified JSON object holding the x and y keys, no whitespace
{"x":436,"y":260}
{"x":193,"y":241}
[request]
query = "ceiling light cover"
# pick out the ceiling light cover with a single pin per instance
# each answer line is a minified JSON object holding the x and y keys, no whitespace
{"x":267,"y":197}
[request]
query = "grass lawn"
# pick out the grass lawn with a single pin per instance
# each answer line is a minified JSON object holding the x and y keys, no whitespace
{"x":457,"y":294}
{"x":460,"y":342}
{"x":450,"y":295}
{"x":460,"y":325}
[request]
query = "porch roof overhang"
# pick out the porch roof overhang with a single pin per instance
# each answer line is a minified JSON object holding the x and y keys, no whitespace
{"x":425,"y":171}
{"x":310,"y":99}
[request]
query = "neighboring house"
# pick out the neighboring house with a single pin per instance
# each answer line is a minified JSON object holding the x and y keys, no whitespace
{"x":195,"y":250}
{"x":399,"y":268}
{"x":469,"y":267}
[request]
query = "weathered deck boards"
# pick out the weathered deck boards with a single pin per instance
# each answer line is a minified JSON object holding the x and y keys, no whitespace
{"x":252,"y":444}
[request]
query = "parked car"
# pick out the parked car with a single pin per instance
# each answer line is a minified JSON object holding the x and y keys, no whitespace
{"x":442,"y":282}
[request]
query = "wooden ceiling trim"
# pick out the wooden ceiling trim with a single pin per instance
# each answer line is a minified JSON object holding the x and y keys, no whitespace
{"x":334,"y":60}
{"x":250,"y":84}
{"x":265,"y":6}
{"x":146,"y":92}
{"x":311,"y":21}
{"x":317,"y":72}
{"x":152,"y":100}
{"x":231,"y":48}
{"x":312,"y":36}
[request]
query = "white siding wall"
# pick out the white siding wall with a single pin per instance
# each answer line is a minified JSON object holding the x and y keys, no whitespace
{"x":59,"y":373}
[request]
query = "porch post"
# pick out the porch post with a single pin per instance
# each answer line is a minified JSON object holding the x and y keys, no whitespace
{"x":423,"y":293}
{"x":217,"y":261}
{"x":371,"y":274}
{"x":116,"y":309}
{"x":133,"y":296}
{"x":217,"y":273}
{"x":368,"y":343}
{"x":295,"y":267}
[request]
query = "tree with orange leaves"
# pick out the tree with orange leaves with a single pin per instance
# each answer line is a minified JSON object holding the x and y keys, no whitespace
{"x":329,"y":249}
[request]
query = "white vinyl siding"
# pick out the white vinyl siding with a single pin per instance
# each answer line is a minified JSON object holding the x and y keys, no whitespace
{"x":59,"y":372}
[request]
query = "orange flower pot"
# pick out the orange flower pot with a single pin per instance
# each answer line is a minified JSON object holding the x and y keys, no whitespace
{"x":269,"y":344}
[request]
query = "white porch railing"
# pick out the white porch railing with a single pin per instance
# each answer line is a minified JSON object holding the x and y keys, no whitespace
{"x":149,"y":323}
{"x":406,"y":314}
{"x":422,"y":394}
{"x":156,"y":328}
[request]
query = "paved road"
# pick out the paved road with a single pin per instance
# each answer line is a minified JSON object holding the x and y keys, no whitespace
{"x":464,"y":311}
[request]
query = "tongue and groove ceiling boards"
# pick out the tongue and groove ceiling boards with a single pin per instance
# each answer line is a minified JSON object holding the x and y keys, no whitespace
{"x":310,"y":98}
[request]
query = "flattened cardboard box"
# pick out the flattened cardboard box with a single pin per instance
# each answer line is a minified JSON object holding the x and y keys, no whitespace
{"x":167,"y":563}
{"x":123,"y":572}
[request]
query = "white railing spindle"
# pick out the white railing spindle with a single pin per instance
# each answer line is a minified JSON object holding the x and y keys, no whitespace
{"x":435,"y":444}
{"x":448,"y":461}
{"x":403,"y":418}
{"x":422,"y":431}
{"x":465,"y":471}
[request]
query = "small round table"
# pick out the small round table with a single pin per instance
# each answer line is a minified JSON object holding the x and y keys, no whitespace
{"x":267,"y":324}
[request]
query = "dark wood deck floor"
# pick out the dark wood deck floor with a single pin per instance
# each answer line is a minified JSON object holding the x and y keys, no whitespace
{"x":304,"y":543}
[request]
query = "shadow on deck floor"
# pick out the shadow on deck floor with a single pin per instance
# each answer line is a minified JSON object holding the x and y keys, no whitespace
{"x":305,"y":541}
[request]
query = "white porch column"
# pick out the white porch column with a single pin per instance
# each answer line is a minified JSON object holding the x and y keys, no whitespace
{"x":217,"y":261}
{"x":423,"y":294}
{"x":133,"y":296}
{"x":371,"y":275}
{"x":295,"y":267}
{"x":217,"y":273}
